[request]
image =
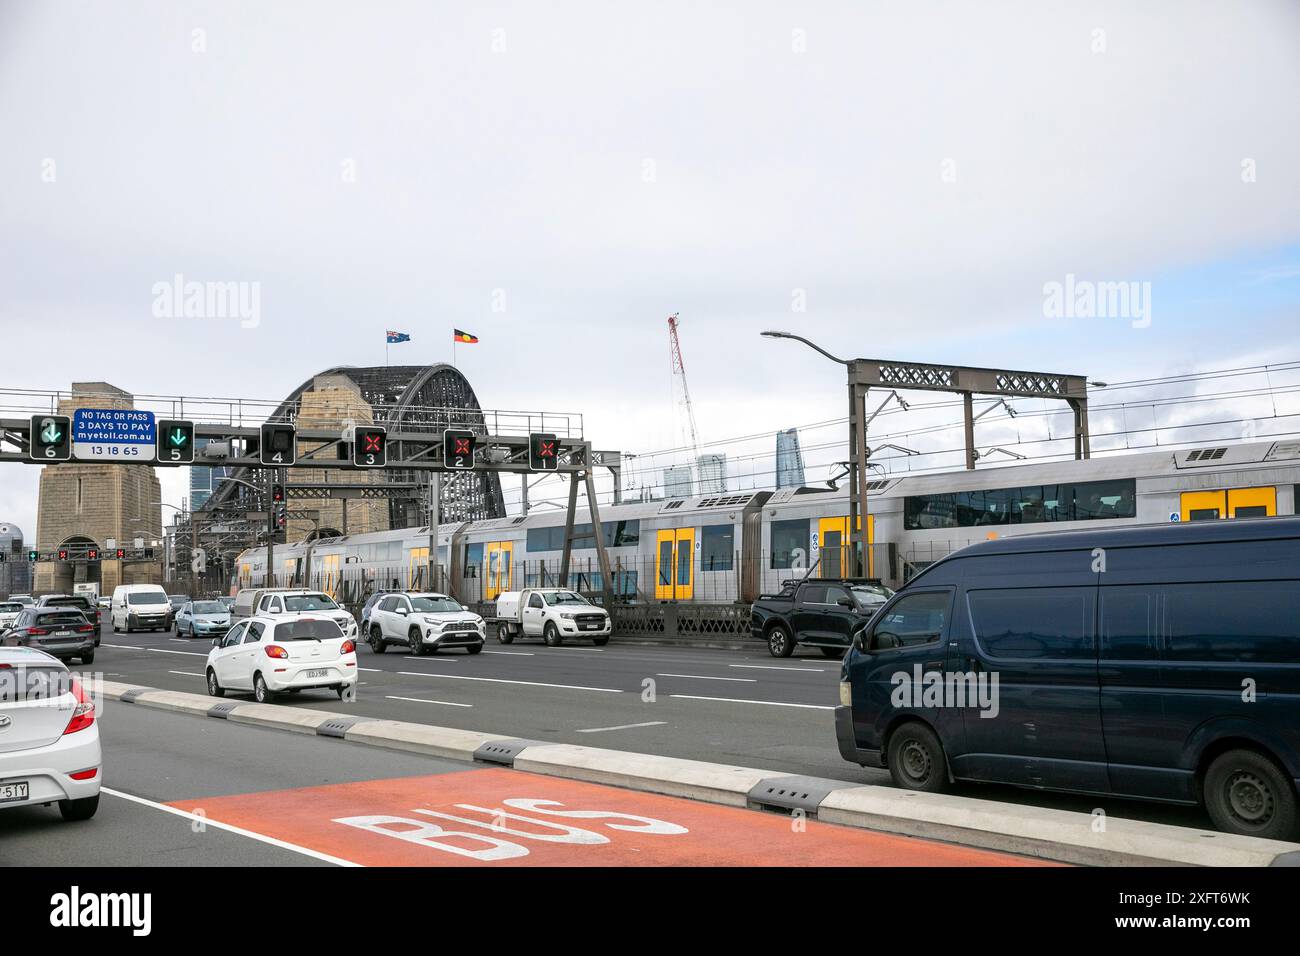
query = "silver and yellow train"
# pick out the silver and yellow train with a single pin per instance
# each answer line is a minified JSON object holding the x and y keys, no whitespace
{"x":732,"y":547}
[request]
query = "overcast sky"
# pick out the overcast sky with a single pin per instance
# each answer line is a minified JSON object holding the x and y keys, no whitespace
{"x":894,"y":180}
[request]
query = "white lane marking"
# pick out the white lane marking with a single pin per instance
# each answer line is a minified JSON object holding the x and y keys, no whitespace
{"x":498,"y":680}
{"x":770,"y":703}
{"x":168,"y":650}
{"x":187,"y":673}
{"x":432,"y":659}
{"x":511,"y":653}
{"x":128,"y":647}
{"x":372,"y":670}
{"x":422,"y":700}
{"x":209,"y":822}
{"x":739,"y":680}
{"x":599,"y":730}
{"x":770,"y":667}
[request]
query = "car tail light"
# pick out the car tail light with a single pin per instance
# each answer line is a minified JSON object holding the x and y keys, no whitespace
{"x":85,"y":774}
{"x":347,"y":647}
{"x":86,"y":629}
{"x":37,"y":632}
{"x":275,"y":650}
{"x":84,"y":714}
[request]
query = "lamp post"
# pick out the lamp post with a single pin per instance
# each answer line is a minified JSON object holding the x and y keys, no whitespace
{"x":858,"y":452}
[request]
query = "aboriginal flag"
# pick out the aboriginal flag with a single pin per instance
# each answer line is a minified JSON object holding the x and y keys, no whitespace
{"x":463,"y":337}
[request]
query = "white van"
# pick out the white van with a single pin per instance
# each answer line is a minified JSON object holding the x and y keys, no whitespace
{"x":141,"y":607}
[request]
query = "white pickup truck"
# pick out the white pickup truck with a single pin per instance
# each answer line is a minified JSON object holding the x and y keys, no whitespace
{"x":553,"y":614}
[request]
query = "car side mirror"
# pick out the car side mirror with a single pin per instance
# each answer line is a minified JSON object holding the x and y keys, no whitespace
{"x":216,"y":642}
{"x":845,"y":602}
{"x":860,"y":640}
{"x":402,"y":611}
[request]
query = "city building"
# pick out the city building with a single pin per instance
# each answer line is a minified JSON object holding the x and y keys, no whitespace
{"x":713,"y":474}
{"x":15,"y":572}
{"x":678,"y":481}
{"x":204,"y":478}
{"x":789,"y":460}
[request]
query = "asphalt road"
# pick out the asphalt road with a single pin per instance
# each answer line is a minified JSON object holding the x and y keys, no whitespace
{"x":736,"y":707}
{"x":181,"y":790}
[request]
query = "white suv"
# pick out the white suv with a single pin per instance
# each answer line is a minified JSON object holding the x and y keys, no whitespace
{"x":282,"y":654}
{"x":425,"y":622}
{"x":49,"y":738}
{"x":315,"y":603}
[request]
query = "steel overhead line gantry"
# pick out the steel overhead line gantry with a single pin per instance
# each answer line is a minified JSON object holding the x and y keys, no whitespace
{"x":404,"y":449}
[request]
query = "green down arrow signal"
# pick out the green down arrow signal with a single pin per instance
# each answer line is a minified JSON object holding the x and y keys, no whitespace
{"x":51,"y":434}
{"x":178,"y":436}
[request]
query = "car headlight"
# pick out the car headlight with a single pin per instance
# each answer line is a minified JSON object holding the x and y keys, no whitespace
{"x":566,"y":616}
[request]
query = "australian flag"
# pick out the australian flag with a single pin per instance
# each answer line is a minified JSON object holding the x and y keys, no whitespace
{"x":395,"y":337}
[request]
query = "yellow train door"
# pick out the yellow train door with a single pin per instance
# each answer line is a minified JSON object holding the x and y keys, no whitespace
{"x":835,"y":548}
{"x":500,"y":555}
{"x":329,"y":573}
{"x":419,"y":562}
{"x":1252,"y":502}
{"x":1203,"y":505}
{"x":675,"y":564}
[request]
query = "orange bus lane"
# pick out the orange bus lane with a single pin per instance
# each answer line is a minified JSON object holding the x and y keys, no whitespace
{"x":501,"y":817}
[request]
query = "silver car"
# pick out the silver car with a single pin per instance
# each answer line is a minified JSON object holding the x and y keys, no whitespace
{"x":202,"y":619}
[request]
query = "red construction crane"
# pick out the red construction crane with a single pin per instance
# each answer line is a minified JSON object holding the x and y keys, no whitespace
{"x":679,"y":372}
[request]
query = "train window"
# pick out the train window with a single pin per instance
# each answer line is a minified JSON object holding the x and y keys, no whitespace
{"x":718,"y":547}
{"x":618,"y":534}
{"x":473,"y":558}
{"x":1031,"y":504}
{"x":790,"y":543}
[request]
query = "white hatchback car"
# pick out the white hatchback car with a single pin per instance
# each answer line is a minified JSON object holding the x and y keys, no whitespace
{"x":284,"y":653}
{"x":49,"y":739}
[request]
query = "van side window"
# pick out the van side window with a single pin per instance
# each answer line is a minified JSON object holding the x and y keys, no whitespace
{"x":1254,"y":621}
{"x":1029,"y":623}
{"x":1130,"y":623}
{"x":916,"y":619}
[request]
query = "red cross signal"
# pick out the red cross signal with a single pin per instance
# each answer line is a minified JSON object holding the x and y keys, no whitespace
{"x":458,"y":449}
{"x":462,"y":446}
{"x":543,"y":452}
{"x":369,"y":449}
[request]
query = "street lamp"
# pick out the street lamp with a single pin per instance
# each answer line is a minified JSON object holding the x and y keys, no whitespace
{"x":858,"y":453}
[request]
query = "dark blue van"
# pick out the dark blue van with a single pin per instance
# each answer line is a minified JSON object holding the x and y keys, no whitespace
{"x":1157,"y":662}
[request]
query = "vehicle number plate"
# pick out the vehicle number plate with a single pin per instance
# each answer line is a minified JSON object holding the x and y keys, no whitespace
{"x":317,"y":673}
{"x":13,"y":791}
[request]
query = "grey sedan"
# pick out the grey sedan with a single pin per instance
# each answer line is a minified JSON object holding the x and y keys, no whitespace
{"x":202,"y":619}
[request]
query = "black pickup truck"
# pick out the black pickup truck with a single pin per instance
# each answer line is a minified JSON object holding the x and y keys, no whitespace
{"x":817,"y":612}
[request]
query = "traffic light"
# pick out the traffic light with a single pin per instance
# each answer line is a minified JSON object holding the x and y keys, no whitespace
{"x":50,"y":438}
{"x":277,"y":492}
{"x":279,"y":445}
{"x":4,"y":556}
{"x":369,"y":446}
{"x":63,"y":554}
{"x":33,"y":556}
{"x":92,"y":554}
{"x":458,"y":448}
{"x":175,"y":441}
{"x":543,"y":452}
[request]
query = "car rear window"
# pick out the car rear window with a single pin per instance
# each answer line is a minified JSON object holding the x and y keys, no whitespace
{"x":60,"y":617}
{"x":10,"y":607}
{"x":315,"y":629}
{"x":309,"y":602}
{"x":37,"y":682}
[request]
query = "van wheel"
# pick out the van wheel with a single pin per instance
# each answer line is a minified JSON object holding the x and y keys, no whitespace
{"x":82,"y":809}
{"x":261,"y":693}
{"x":377,"y":642}
{"x":552,"y":635}
{"x":779,"y":642}
{"x":417,"y":645}
{"x":916,"y":760}
{"x":503,"y":634}
{"x":1246,"y":793}
{"x":214,"y":688}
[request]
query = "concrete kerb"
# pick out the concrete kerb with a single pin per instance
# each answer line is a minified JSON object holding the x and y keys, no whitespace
{"x":1065,"y":836}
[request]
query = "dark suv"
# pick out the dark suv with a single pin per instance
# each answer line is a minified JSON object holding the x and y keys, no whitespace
{"x":816,"y":612}
{"x":83,"y":604}
{"x":62,"y":632}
